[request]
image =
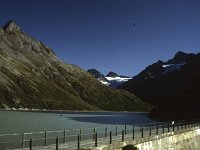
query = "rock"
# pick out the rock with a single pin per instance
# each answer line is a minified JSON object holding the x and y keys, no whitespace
{"x":1,"y":31}
{"x":12,"y":26}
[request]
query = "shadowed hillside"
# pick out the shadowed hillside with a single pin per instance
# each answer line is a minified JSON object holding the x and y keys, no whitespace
{"x":172,"y":87}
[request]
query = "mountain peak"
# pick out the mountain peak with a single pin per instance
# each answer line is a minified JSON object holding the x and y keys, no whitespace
{"x":180,"y":57}
{"x":180,"y":53}
{"x":111,"y":74}
{"x":11,"y":26}
{"x":95,"y":73}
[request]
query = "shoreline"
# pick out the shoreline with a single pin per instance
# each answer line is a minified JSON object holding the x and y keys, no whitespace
{"x":67,"y":111}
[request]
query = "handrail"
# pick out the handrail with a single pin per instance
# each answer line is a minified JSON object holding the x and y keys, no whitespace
{"x":136,"y":130}
{"x":78,"y":129}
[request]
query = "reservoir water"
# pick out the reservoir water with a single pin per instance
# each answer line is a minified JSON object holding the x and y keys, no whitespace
{"x":20,"y":122}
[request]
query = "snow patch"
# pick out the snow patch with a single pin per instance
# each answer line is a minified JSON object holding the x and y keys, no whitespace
{"x":104,"y":82}
{"x":114,"y":81}
{"x":119,"y":79}
{"x":172,"y":67}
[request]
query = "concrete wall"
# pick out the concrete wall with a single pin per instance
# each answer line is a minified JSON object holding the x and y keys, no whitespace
{"x":189,"y":140}
{"x":182,"y":141}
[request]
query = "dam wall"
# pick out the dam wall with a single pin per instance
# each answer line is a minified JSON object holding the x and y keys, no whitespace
{"x":179,"y":141}
{"x":187,"y":140}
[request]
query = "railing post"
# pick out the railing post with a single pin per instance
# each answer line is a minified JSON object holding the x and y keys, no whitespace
{"x":181,"y":126}
{"x":156,"y":129}
{"x":94,"y":131}
{"x":133,"y":132}
{"x":64,"y":139}
{"x":110,"y":137}
{"x":23,"y":138}
{"x":163,"y":129}
{"x":30,"y":144}
{"x":106,"y":131}
{"x":57,"y":143}
{"x":96,"y":140}
{"x":168,"y":128}
{"x":150,"y":130}
{"x":45,"y":138}
{"x":142,"y":132}
{"x":78,"y":142}
{"x":116,"y":130}
{"x":80,"y":134}
{"x":173,"y":127}
{"x":177,"y":125}
{"x":122,"y":135}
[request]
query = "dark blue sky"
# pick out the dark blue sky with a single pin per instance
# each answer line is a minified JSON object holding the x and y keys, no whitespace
{"x":119,"y":35}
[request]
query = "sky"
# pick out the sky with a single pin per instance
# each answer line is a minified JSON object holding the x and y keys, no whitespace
{"x":124,"y":36}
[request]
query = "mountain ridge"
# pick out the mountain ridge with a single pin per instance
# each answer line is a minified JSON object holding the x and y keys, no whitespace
{"x":112,"y":79}
{"x":12,"y":26}
{"x":175,"y":93}
{"x":32,"y":76}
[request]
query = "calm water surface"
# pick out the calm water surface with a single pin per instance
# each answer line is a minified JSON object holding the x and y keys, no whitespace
{"x":20,"y":122}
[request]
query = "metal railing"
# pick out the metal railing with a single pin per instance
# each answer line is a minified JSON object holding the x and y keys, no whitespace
{"x":91,"y":137}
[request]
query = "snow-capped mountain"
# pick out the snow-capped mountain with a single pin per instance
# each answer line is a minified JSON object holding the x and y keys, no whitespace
{"x":112,"y":79}
{"x":161,"y":68}
{"x":171,"y":86}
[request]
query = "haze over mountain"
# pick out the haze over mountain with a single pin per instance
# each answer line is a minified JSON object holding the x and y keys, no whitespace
{"x":32,"y":76}
{"x":171,"y":86}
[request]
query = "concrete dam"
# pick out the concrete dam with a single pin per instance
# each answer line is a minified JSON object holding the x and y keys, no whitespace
{"x":181,"y":137}
{"x":178,"y":135}
{"x":187,"y":140}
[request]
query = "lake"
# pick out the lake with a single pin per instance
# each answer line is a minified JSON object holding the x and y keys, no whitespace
{"x":20,"y":122}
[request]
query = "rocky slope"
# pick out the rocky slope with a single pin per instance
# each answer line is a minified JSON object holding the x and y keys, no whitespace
{"x":32,"y":76}
{"x":172,"y":87}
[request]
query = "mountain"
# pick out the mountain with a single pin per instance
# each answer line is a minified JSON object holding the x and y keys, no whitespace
{"x":116,"y":80}
{"x":172,"y":87}
{"x":96,"y":73}
{"x":32,"y":76}
{"x":160,"y":68}
{"x":112,"y":79}
{"x":112,"y":74}
{"x":181,"y":57}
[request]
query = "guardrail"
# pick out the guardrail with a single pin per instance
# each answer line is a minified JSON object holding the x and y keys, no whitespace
{"x":90,"y":137}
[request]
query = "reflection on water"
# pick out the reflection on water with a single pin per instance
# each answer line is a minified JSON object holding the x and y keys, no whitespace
{"x":20,"y":122}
